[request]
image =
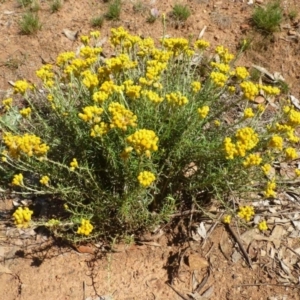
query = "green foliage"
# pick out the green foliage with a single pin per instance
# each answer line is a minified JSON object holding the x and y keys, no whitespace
{"x":293,"y":14}
{"x":181,"y":12}
{"x":55,"y":6}
{"x":30,"y":23}
{"x":97,"y":21}
{"x":114,"y":10}
{"x":121,"y":143}
{"x":25,"y":3}
{"x":268,"y":18}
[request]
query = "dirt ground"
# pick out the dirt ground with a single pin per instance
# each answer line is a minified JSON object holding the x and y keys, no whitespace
{"x":34,"y":266}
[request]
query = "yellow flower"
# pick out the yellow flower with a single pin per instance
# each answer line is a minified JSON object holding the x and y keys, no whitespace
{"x":231,"y":89}
{"x":85,"y":39}
{"x":249,"y":89}
{"x":276,"y":142}
{"x":145,"y":178}
{"x":241,"y":73}
{"x":262,"y":225}
{"x":227,"y":219}
{"x":7,"y":103}
{"x":21,"y":86}
{"x":291,"y":153}
{"x":99,"y":129}
{"x":196,"y":86}
{"x":143,"y":140}
{"x":203,"y":111}
{"x":297,"y":172}
{"x":28,"y":144}
{"x":45,"y":180}
{"x":218,"y":78}
{"x":229,"y":148}
{"x":248,"y":113}
{"x":85,"y":228}
{"x":22,"y":217}
{"x":176,"y":99}
{"x":25,"y":112}
{"x":73,"y":164}
{"x":152,"y":96}
{"x":270,"y":189}
{"x":217,"y":123}
{"x":95,"y":34}
{"x":252,"y":160}
{"x":17,"y":180}
{"x":201,"y":44}
{"x":121,"y":117}
{"x":266,"y":168}
{"x":246,"y":212}
{"x":91,"y":114}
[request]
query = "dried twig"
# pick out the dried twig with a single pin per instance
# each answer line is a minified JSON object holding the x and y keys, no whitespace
{"x":236,"y":238}
{"x":203,"y":282}
{"x":178,"y":293}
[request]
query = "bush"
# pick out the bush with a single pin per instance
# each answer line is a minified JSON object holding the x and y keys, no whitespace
{"x":268,"y":18}
{"x":122,"y":143}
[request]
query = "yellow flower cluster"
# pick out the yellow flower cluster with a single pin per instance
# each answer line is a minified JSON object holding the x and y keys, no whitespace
{"x":7,"y":103}
{"x":120,"y":63}
{"x":99,"y":130}
{"x":270,"y":189}
{"x":73,"y":164}
{"x":201,"y":44}
{"x":262,"y":226}
{"x":145,"y":178}
{"x":266,"y":168}
{"x":143,"y":141}
{"x":176,"y":45}
{"x":44,"y":180}
{"x":247,"y":139}
{"x":246,"y":212}
{"x":221,"y":67}
{"x":153,"y":71}
{"x":218,"y":78}
{"x":85,"y":228}
{"x":145,"y":47}
{"x":291,"y":153}
{"x":46,"y":74}
{"x":152,"y":96}
{"x":241,"y":73}
{"x":121,"y":117}
{"x":293,"y":118}
{"x":297,"y":172}
{"x":248,"y":113}
{"x":276,"y":142}
{"x":21,"y":86}
{"x":231,"y":89}
{"x":203,"y":111}
{"x":224,"y":54}
{"x":132,"y":91}
{"x":25,"y":112}
{"x":91,"y":114}
{"x":270,"y":90}
{"x":90,"y":80}
{"x":252,"y":160}
{"x":249,"y":89}
{"x":28,"y":144}
{"x":227,"y":219}
{"x":119,"y":36}
{"x":64,"y":57}
{"x":17,"y":180}
{"x":176,"y":99}
{"x":196,"y":86}
{"x":22,"y":217}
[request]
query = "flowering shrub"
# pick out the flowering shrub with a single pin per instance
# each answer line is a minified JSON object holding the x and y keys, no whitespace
{"x":113,"y":139}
